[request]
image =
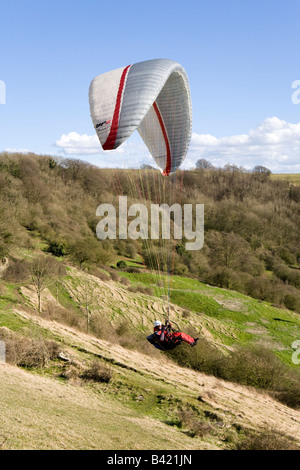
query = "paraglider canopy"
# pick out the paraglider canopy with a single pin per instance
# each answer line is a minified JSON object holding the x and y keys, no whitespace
{"x":152,"y":97}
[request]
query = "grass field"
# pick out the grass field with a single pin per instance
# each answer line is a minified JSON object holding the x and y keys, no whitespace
{"x":231,"y":318}
{"x":293,"y":178}
{"x":48,"y":414}
{"x":141,"y":407}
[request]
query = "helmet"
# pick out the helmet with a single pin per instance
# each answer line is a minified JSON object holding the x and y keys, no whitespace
{"x":157,"y":323}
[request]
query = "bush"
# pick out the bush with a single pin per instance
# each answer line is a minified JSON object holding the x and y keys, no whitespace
{"x":290,"y":395}
{"x":70,"y":372}
{"x":101,"y":328}
{"x":291,"y":302}
{"x":267,"y":440}
{"x":58,"y":248}
{"x":121,"y":264}
{"x":60,"y":314}
{"x":88,"y":250}
{"x":133,"y":270}
{"x":17,"y":271}
{"x":228,"y":279}
{"x":186,"y":313}
{"x":262,"y":288}
{"x":203,"y":358}
{"x":125,"y":281}
{"x":124,"y":328}
{"x":98,"y":372}
{"x":103,"y":276}
{"x":251,"y":366}
{"x":255,"y":366}
{"x":180,"y":269}
{"x":114,"y":275}
{"x":27,"y":352}
{"x":286,"y":255}
{"x":196,"y":427}
{"x":141,"y":289}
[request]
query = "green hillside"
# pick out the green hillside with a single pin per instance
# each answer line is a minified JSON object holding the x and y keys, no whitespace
{"x":68,"y":299}
{"x":160,"y":405}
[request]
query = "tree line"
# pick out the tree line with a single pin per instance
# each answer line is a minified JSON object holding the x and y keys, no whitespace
{"x":251,"y":221}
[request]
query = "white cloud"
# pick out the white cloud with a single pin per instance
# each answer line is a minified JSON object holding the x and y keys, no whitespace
{"x":131,"y":154}
{"x":76,"y":144}
{"x":275,"y":143}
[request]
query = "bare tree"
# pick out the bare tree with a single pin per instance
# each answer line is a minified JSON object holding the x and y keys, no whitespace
{"x":204,"y":164}
{"x":89,"y":299}
{"x":43,"y":271}
{"x":261,"y":172}
{"x":261,"y":169}
{"x":145,"y":166}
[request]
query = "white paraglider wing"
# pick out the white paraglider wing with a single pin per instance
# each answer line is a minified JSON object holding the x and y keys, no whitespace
{"x":152,"y":97}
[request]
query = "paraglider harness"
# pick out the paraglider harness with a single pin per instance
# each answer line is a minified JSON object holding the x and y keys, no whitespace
{"x":170,"y":341}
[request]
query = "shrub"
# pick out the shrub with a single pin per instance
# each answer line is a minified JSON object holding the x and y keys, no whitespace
{"x":180,"y":269}
{"x":99,"y":273}
{"x":125,"y":281}
{"x":186,"y":313}
{"x":98,"y":372}
{"x":124,"y":328}
{"x":121,"y":264}
{"x":17,"y":271}
{"x":67,"y":316}
{"x":203,"y":358}
{"x":114,"y":275}
{"x":286,"y":255}
{"x":141,"y":289}
{"x":228,"y":279}
{"x":196,"y":427}
{"x":28,"y":352}
{"x":70,"y":372}
{"x":261,"y":288}
{"x":267,"y":440}
{"x":131,"y":250}
{"x":290,"y":395}
{"x":254,"y":366}
{"x":101,"y":328}
{"x":57,"y":248}
{"x":88,"y":250}
{"x":133,"y":270}
{"x":292,"y":302}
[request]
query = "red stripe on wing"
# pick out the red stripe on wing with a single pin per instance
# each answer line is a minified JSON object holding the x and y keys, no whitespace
{"x":111,"y":139}
{"x":167,"y":169}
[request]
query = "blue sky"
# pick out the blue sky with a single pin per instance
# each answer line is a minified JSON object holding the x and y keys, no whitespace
{"x":241,"y":58}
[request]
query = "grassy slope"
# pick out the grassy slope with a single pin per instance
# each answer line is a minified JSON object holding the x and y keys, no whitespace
{"x":230,"y":317}
{"x":49,"y":413}
{"x":138,"y":410}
